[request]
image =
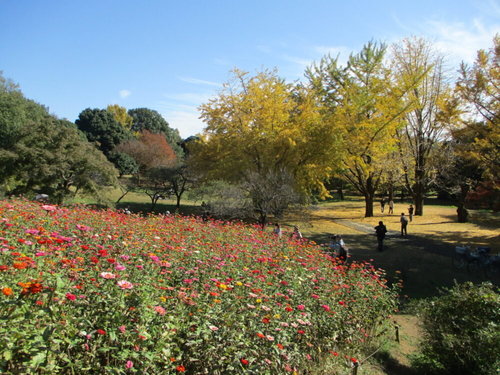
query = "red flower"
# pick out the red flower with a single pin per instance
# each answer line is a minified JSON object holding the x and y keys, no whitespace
{"x":244,"y":361}
{"x":101,"y":332}
{"x":70,"y":296}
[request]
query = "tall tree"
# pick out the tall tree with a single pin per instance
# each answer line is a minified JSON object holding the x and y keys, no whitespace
{"x":101,"y":128}
{"x":261,"y":125}
{"x":152,"y":121}
{"x":433,"y":110}
{"x":365,"y":109}
{"x":479,"y":87}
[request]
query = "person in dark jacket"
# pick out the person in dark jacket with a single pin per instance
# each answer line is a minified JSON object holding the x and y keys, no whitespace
{"x":380,"y":231}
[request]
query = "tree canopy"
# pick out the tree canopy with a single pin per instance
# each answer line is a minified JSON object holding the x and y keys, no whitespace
{"x":40,"y":153}
{"x":365,"y":109}
{"x":152,"y":121}
{"x":101,"y":128}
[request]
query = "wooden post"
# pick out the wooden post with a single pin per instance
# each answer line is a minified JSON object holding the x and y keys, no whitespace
{"x":397,"y":332}
{"x":355,"y":366}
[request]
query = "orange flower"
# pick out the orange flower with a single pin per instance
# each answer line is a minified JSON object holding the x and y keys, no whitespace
{"x":30,"y":287}
{"x":180,"y":368}
{"x":7,"y":291}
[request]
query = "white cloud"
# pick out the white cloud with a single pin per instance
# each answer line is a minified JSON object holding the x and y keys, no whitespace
{"x":184,"y":119}
{"x":459,"y":41}
{"x":197,"y":81}
{"x":124,"y":93}
{"x":190,"y":97}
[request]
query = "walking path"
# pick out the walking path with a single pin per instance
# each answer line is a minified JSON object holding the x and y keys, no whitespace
{"x":425,"y":244}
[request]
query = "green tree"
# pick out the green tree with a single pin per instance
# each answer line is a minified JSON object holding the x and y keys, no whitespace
{"x":152,"y":121}
{"x":52,"y":157}
{"x":365,"y":109}
{"x":15,"y":112}
{"x":101,"y":128}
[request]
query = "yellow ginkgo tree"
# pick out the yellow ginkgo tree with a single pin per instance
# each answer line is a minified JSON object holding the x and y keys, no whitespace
{"x":364,"y":108}
{"x":259,"y":128}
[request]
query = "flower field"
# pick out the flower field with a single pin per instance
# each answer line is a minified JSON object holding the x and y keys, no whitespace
{"x":100,"y":292}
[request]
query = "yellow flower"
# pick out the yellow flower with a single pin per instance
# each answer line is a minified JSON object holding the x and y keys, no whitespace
{"x":258,"y":300}
{"x":239,"y":283}
{"x":223,"y":286}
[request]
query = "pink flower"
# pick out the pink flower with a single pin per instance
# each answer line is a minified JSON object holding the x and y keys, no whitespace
{"x":124,"y":284}
{"x":83,"y":228}
{"x":213,"y":328}
{"x":48,"y":207}
{"x":301,"y":307}
{"x":120,"y":267}
{"x":108,"y":275}
{"x":160,"y":310}
{"x":70,"y":296}
{"x":40,"y":254}
{"x":122,"y":329}
{"x":326,"y":307}
{"x":129,"y":364}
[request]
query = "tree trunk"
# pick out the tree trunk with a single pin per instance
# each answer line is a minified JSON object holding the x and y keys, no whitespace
{"x":391,"y":192}
{"x":178,"y":204}
{"x":462,"y":213}
{"x":418,"y":193}
{"x":122,"y":196}
{"x":369,"y":194}
{"x":368,"y":205}
{"x":340,"y":191}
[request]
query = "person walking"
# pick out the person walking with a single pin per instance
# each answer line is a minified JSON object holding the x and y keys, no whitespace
{"x":410,"y":212}
{"x":380,"y":231}
{"x":404,"y":224}
{"x":277,"y":230}
{"x":382,"y":205}
{"x":391,"y":207}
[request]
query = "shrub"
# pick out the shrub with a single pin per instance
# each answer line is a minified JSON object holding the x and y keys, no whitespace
{"x":461,"y":334}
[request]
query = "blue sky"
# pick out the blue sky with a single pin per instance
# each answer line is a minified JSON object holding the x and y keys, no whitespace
{"x":173,"y":55}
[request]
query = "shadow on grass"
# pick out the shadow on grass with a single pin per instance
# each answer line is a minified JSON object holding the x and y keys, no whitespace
{"x":391,"y":365}
{"x":424,"y":265}
{"x":160,"y":208}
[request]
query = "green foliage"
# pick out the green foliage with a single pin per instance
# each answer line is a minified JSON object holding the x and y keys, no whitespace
{"x":39,"y":153}
{"x":101,"y":128}
{"x":150,"y":120}
{"x":15,"y":112}
{"x":125,"y":163}
{"x":461,"y":332}
{"x":52,"y":157}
